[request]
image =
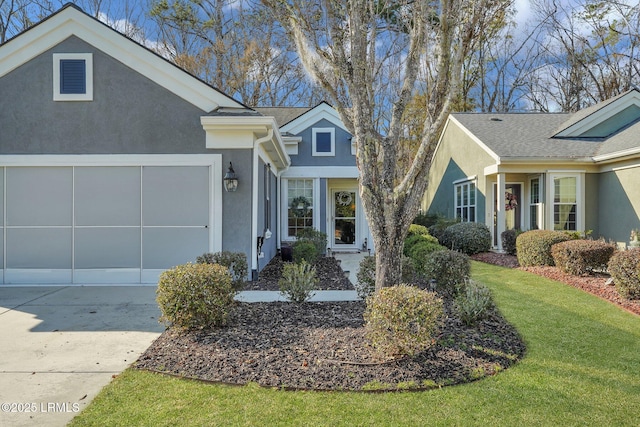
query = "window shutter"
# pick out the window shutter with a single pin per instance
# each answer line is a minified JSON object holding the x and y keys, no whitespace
{"x":73,"y":76}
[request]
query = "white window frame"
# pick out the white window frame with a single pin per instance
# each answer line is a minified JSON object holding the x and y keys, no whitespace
{"x":465,"y":185}
{"x":330,"y":131}
{"x":88,"y":61}
{"x":539,"y":206}
{"x":579,"y":204}
{"x":285,"y":207}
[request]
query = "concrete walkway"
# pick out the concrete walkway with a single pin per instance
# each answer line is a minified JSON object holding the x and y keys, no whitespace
{"x":60,"y":345}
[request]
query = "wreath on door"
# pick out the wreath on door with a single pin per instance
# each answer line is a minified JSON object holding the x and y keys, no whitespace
{"x":511,"y":202}
{"x":344,"y":198}
{"x":300,"y":206}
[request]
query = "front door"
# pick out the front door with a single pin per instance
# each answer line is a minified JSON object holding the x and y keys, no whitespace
{"x":512,"y":211}
{"x":344,"y":219}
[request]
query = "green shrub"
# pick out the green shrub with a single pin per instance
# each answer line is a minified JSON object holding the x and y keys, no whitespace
{"x":474,"y":304}
{"x":316,"y":237}
{"x":427,"y":219}
{"x":416,"y":239}
{"x":449,"y":269}
{"x":401,"y":320}
{"x":195,"y":296}
{"x":624,"y":267}
{"x":416,"y":229}
{"x":236,"y":262}
{"x":580,"y":257}
{"x":298,"y":281}
{"x":509,"y":240}
{"x":304,"y":251}
{"x":366,"y":276}
{"x":467,"y":237}
{"x":437,"y":229}
{"x":534,"y":247}
{"x":420,"y":252}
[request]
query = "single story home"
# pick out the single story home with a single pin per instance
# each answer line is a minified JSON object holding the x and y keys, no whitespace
{"x":555,"y":171}
{"x":115,"y":164}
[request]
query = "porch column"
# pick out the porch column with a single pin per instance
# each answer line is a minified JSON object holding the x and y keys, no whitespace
{"x":500,"y":218}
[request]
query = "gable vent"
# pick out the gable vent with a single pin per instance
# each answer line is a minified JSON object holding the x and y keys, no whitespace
{"x":72,"y":76}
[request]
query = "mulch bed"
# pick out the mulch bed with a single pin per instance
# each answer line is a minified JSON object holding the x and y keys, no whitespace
{"x":328,"y":269}
{"x":321,"y":346}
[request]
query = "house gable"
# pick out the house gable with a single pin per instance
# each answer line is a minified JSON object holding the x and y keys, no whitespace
{"x":603,"y":120}
{"x":72,"y":21}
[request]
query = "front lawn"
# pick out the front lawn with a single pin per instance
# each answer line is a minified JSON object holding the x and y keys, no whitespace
{"x":582,"y":367}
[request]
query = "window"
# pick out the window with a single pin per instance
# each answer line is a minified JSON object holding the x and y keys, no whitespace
{"x":323,"y":141}
{"x":565,"y":203}
{"x":535,"y":205}
{"x":72,"y":77}
{"x":299,"y":205}
{"x":465,"y":201}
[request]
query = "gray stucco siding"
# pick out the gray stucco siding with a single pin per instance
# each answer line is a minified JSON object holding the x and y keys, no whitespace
{"x":129,"y":113}
{"x":619,"y":204}
{"x":343,"y":156}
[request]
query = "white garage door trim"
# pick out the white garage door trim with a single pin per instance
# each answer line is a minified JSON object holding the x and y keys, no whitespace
{"x":119,"y":275}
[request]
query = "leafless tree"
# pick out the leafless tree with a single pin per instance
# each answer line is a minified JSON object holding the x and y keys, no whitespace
{"x":348,"y":47}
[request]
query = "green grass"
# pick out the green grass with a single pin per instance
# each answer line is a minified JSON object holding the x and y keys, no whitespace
{"x":582,"y":367}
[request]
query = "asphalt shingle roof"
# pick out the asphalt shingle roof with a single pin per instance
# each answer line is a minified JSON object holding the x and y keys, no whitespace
{"x":283,"y":115}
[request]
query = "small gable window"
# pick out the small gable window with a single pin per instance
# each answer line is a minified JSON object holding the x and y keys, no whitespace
{"x":324,"y":142}
{"x":72,"y":77}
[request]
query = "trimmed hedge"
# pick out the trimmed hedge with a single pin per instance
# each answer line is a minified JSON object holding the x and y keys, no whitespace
{"x":467,"y":237}
{"x":415,"y":239}
{"x":624,"y":267}
{"x":316,"y":237}
{"x":580,"y":257}
{"x":449,"y":269}
{"x":402,"y":320}
{"x":534,"y":247}
{"x":236,"y":262}
{"x":366,"y":276}
{"x":437,"y":229}
{"x":509,"y":240}
{"x":304,"y":251}
{"x":195,"y":296}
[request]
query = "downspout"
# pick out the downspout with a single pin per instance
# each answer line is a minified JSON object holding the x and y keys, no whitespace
{"x":255,"y":253}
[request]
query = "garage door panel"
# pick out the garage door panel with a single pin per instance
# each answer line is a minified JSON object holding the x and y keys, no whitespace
{"x":39,"y":196}
{"x":167,"y":247}
{"x":39,"y":248}
{"x":107,"y":196}
{"x":102,"y":248}
{"x":175,"y":195}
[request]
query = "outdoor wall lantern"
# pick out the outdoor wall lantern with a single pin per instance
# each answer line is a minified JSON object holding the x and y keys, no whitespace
{"x":230,"y":179}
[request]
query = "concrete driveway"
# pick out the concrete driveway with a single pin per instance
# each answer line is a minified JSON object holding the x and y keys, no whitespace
{"x":60,"y":345}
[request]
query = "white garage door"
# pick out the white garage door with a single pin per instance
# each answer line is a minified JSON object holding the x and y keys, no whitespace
{"x":102,"y":224}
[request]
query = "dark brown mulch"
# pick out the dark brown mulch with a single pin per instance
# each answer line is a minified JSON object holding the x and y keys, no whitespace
{"x":331,"y":276}
{"x":595,"y":284}
{"x":322,"y":346}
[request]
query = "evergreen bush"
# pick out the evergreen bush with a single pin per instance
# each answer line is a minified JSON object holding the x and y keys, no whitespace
{"x":624,"y":267}
{"x":236,"y":262}
{"x":449,"y":269}
{"x":195,"y":296}
{"x":534,"y":247}
{"x":402,"y":319}
{"x":467,"y":237}
{"x":580,"y":257}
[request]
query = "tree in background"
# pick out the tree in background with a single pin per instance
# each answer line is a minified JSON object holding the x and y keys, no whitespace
{"x":372,"y":55}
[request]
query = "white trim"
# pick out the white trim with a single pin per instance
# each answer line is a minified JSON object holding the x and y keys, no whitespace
{"x":314,"y":147}
{"x":540,"y":206}
{"x":321,"y":172}
{"x":330,"y":214}
{"x":612,"y":156}
{"x":597,"y":117}
{"x":313,"y":116}
{"x":469,"y":178}
{"x":580,"y":197}
{"x":70,"y":21}
{"x":88,"y":63}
